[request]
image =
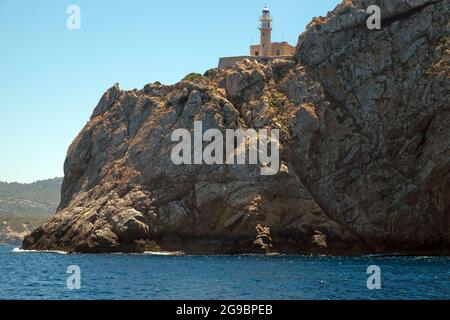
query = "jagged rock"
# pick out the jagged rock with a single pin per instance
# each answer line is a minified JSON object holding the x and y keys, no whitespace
{"x":263,"y":240}
{"x":108,"y":99}
{"x":365,"y":130}
{"x":319,"y":239}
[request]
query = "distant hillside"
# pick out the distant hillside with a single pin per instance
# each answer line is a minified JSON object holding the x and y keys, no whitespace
{"x":23,"y":207}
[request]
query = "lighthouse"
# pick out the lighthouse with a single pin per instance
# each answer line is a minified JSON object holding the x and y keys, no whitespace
{"x":266,"y":50}
{"x":266,"y":33}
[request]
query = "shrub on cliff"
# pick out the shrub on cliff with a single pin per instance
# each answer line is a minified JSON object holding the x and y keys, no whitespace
{"x":192,"y":76}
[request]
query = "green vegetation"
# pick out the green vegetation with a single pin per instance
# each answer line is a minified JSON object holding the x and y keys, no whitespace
{"x":192,"y":76}
{"x":272,"y":104}
{"x":279,"y":104}
{"x":443,"y":41}
{"x":35,"y":190}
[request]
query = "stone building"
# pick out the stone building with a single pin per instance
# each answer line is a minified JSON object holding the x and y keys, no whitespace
{"x":277,"y":49}
{"x":266,"y":49}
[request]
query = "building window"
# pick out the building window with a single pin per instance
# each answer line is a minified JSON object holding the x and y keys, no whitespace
{"x":256,"y":53}
{"x":278,"y":53}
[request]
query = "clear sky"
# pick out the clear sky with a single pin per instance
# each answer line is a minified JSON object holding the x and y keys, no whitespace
{"x":51,"y":77}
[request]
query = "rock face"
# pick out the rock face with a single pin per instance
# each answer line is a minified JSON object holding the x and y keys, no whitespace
{"x":263,"y":240}
{"x":365,"y":149}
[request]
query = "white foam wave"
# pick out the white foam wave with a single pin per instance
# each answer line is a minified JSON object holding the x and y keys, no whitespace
{"x":19,"y":250}
{"x":164,"y":253}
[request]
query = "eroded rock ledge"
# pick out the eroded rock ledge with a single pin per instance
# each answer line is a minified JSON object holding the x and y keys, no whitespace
{"x":365,"y":125}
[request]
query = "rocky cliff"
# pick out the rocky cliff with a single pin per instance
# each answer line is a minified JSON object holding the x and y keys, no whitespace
{"x":365,"y":147}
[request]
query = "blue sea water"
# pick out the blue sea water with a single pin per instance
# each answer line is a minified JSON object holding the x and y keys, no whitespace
{"x":27,"y":275}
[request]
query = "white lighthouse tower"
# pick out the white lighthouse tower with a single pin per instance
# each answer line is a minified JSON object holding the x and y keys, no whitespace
{"x":266,"y":33}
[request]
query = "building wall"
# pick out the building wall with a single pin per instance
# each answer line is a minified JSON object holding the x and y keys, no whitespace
{"x":255,"y":50}
{"x":282,"y":49}
{"x":278,"y":49}
{"x":266,"y":42}
{"x":228,"y":62}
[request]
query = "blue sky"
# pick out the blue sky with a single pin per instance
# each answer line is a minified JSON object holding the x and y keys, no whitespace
{"x":51,"y":78}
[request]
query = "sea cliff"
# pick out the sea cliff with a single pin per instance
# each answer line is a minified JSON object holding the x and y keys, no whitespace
{"x":365,"y":150}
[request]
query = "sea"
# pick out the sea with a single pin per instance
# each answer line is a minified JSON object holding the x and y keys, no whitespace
{"x":56,"y":275}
